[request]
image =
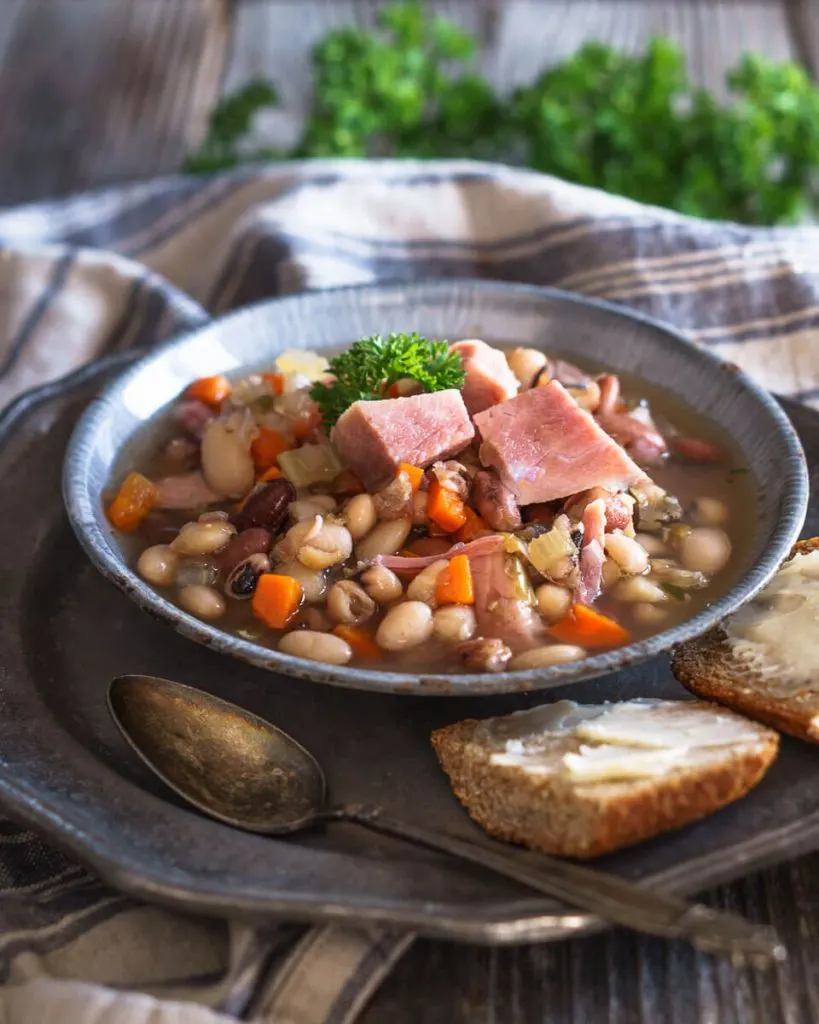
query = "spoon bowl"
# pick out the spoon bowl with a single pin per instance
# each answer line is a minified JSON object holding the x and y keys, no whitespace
{"x":244,"y":771}
{"x":225,"y":761}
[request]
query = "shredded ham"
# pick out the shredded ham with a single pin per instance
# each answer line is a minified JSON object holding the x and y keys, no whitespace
{"x":592,"y":552}
{"x":188,"y":490}
{"x":500,"y":612}
{"x":634,"y":430}
{"x":407,"y":565}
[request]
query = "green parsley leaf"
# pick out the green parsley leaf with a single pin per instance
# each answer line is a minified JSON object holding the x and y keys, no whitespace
{"x":365,"y":371}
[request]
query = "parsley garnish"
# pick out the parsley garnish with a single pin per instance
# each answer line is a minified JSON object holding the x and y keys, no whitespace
{"x":365,"y":371}
{"x":630,"y":124}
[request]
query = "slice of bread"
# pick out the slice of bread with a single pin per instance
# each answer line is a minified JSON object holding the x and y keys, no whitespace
{"x":709,"y":667}
{"x":513,"y":777}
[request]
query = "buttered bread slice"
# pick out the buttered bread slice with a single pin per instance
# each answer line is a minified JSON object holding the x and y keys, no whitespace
{"x":581,"y":780}
{"x":763,"y":661}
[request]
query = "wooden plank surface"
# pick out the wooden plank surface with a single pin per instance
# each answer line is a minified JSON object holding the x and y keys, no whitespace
{"x":97,"y":91}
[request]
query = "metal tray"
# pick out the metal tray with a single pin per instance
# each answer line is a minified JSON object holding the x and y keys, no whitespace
{"x":64,"y":771}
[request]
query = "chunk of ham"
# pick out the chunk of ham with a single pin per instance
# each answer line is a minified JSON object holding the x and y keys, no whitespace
{"x":193,"y":417}
{"x":500,"y":612}
{"x":495,"y":502}
{"x":592,"y":552}
{"x":409,"y":565}
{"x":374,"y":437}
{"x":634,"y":429}
{"x":187,"y":490}
{"x":619,"y":507}
{"x":488,"y":378}
{"x":544,"y":446}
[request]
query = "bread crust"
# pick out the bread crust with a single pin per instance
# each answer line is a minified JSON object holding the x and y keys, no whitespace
{"x":707,"y":667}
{"x":555,"y":814}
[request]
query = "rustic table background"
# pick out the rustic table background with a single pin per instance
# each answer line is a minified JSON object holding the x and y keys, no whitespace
{"x":93,"y":92}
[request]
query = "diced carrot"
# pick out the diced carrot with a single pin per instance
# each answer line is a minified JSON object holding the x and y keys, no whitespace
{"x":415,"y":474}
{"x":276,"y":599}
{"x":267,"y":447}
{"x":362,"y":643}
{"x":424,"y":546}
{"x":132,"y":503}
{"x":210,"y":390}
{"x":445,"y":508}
{"x":269,"y":474}
{"x":474,"y":526}
{"x":276,"y":381}
{"x":696,"y":450}
{"x":347,"y":483}
{"x":586,"y":627}
{"x":455,"y":583}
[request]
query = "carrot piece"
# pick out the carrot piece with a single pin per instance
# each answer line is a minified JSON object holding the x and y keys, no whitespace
{"x":267,"y":447}
{"x":415,"y":474}
{"x":276,"y":381}
{"x":445,"y":508}
{"x":455,"y":583}
{"x":474,"y":526}
{"x":210,"y":390}
{"x":276,"y":599}
{"x":132,"y":503}
{"x":586,"y":627}
{"x":361,"y":641}
{"x":269,"y":474}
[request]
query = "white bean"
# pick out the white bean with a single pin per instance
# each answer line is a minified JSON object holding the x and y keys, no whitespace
{"x":382,"y":584}
{"x":405,"y":625}
{"x":325,"y":647}
{"x":313,"y":584}
{"x":227,"y":463}
{"x":705,"y":549}
{"x":359,"y":515}
{"x":525,"y":363}
{"x":709,"y":512}
{"x":305,"y":508}
{"x":202,"y":538}
{"x":544,"y":657}
{"x":610,"y":573}
{"x":454,"y":623}
{"x":652,"y":545}
{"x":203,"y":602}
{"x":553,"y":602}
{"x":423,"y":587}
{"x":327,"y":501}
{"x":348,"y":602}
{"x":650,"y":615}
{"x":635,"y":589}
{"x":631,"y":557}
{"x":331,"y":545}
{"x":384,"y":539}
{"x":158,"y":564}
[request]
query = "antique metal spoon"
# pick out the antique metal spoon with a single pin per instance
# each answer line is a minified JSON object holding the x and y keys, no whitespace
{"x":241,"y":770}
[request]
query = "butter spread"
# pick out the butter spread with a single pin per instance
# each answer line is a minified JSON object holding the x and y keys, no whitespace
{"x":777,"y":633}
{"x":635,"y":739}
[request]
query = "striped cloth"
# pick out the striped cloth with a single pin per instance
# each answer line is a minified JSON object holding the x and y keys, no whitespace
{"x":133,"y":265}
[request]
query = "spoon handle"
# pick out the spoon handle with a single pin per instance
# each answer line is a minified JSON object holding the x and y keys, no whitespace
{"x":616,"y":900}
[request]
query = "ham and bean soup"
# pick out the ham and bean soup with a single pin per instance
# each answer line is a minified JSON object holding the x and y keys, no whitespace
{"x":417,"y":506}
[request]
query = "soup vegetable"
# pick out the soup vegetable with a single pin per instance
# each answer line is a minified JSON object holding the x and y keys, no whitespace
{"x":416,"y":505}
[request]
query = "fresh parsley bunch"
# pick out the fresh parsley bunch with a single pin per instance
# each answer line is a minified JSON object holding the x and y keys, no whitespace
{"x":365,"y":371}
{"x":632,"y":125}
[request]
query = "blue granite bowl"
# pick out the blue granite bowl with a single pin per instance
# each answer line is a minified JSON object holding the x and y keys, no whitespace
{"x":500,"y":313}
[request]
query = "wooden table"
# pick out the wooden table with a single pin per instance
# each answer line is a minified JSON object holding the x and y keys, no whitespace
{"x":98,"y":91}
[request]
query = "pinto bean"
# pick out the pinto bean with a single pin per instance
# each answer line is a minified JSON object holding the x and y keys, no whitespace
{"x":158,"y":564}
{"x":360,"y":515}
{"x":202,"y":538}
{"x":545,"y":657}
{"x":266,"y":506}
{"x":254,"y":541}
{"x":384,"y":539}
{"x":405,"y":625}
{"x":203,"y":602}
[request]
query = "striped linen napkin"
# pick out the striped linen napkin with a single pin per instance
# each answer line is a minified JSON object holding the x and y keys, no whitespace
{"x":134,"y":265}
